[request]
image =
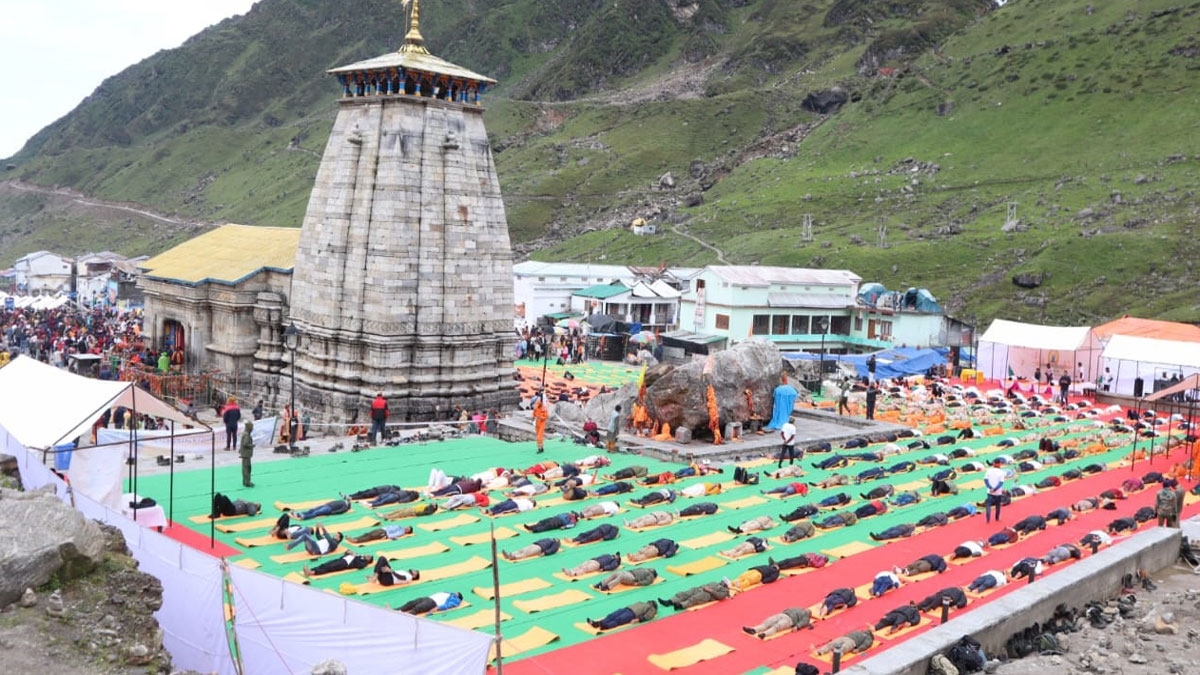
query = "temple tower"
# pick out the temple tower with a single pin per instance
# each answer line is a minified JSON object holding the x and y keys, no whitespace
{"x":403,"y":277}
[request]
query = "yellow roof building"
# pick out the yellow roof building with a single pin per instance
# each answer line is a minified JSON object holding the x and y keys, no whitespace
{"x":226,"y":255}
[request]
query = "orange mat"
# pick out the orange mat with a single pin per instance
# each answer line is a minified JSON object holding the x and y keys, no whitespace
{"x":690,"y":656}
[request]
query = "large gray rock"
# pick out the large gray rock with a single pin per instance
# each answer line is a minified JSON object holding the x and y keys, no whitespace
{"x":41,"y":536}
{"x":329,"y":667}
{"x":677,"y":394}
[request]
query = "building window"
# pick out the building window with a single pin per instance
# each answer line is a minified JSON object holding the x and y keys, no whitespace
{"x":779,"y":324}
{"x":858,"y":324}
{"x":799,"y":325}
{"x":722,"y":322}
{"x":885,"y":330}
{"x":761,"y":324}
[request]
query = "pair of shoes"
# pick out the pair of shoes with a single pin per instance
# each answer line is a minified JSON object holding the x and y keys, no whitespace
{"x":247,"y":484}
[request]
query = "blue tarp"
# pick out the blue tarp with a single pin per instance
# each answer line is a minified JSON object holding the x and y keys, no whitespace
{"x":785,"y":402}
{"x":895,"y":362}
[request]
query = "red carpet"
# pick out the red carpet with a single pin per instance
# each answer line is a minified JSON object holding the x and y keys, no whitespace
{"x":626,"y":651}
{"x":200,"y":542}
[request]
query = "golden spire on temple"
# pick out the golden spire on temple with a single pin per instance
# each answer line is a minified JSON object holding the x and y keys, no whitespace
{"x":413,"y":42}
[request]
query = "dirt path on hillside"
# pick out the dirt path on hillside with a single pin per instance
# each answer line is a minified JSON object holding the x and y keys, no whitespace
{"x":80,"y":198}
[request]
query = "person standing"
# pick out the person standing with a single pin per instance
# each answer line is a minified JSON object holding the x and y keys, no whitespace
{"x":993,"y":480}
{"x":540,"y":416}
{"x":246,"y":451}
{"x":872,"y":397}
{"x":379,"y":415}
{"x":1037,"y":376}
{"x":843,"y":404}
{"x":787,"y":433}
{"x":231,"y":414}
{"x":614,"y":421}
{"x":1064,"y":386}
{"x":257,"y":413}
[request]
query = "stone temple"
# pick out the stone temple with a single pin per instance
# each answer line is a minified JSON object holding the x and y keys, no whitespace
{"x":403,"y":274}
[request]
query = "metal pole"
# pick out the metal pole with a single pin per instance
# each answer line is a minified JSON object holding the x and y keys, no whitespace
{"x":496,"y":593}
{"x":212,"y":491}
{"x":171,"y":498}
{"x":1133,"y":451}
{"x":293,"y":425}
{"x":136,"y":498}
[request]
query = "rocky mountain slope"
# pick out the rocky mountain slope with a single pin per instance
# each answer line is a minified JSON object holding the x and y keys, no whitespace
{"x":1036,"y":160}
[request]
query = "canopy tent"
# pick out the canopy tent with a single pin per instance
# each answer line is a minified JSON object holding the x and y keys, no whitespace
{"x":1156,"y":362}
{"x":1148,"y":328}
{"x":889,"y":363}
{"x":1012,"y":347}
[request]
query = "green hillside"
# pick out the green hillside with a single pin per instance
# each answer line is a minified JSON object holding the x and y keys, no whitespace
{"x":1082,"y":114}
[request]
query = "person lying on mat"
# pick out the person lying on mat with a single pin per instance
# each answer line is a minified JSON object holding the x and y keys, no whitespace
{"x":283,"y":528}
{"x":638,"y":612}
{"x":840,"y":499}
{"x":397,"y":496}
{"x":514,"y":505}
{"x":330,"y":508}
{"x":439,"y":479}
{"x":652,"y":519}
{"x":751,"y":546}
{"x":894,"y":532}
{"x":1018,"y":491}
{"x":855,"y":443}
{"x":702,"y":490}
{"x":961,"y":453}
{"x":349,"y":561}
{"x":1060,"y":515}
{"x":1062,"y":553}
{"x":926,"y":563}
{"x":802,"y":561}
{"x":940,"y":459}
{"x":753,"y":525}
{"x":1029,"y":524}
{"x":371,"y":493}
{"x":1048,"y":482}
{"x":832,"y":462}
{"x":384,"y":575}
{"x":800,"y":513}
{"x":459,"y":487}
{"x":561,"y":521}
{"x":905,"y":498}
{"x":836,"y":480}
{"x":1113,"y":493}
{"x":789,"y":471}
{"x":636,"y":471}
{"x":933,"y":520}
{"x":538,"y":469}
{"x":902,"y":467}
{"x":637,"y":576}
{"x":899,"y":618}
{"x":1145,"y":514}
{"x":656,"y":497}
{"x":889,"y":450}
{"x":884,"y":581}
{"x":843,"y":519}
{"x":867,"y":457}
{"x":790,"y":619}
{"x":523,"y":487}
{"x":851,"y":643}
{"x":318,"y":543}
{"x":968,"y":549}
{"x":572,"y":491}
{"x":541,"y":547}
{"x":469,"y":500}
{"x":440,"y":602}
{"x":1086,"y":504}
{"x":954,"y":594}
{"x":788,"y":490}
{"x":1131,"y":485}
{"x":413,"y":511}
{"x":582,"y":480}
{"x":560,"y":472}
{"x":698,"y":595}
{"x":875,"y":507}
{"x":600,"y":510}
{"x":704,"y":468}
{"x":1122,"y":525}
{"x":1026,"y":567}
{"x":664,"y":478}
{"x":759,"y":574}
{"x":224,"y":507}
{"x":601,"y":563}
{"x":1072,"y":474}
{"x":941,"y":487}
{"x":603,"y":532}
{"x":972,"y":467}
{"x":838,"y":598}
{"x":385,"y":532}
{"x":698,"y":509}
{"x":617,"y":488}
{"x":593,"y":462}
{"x":1100,"y":537}
{"x":988,"y":580}
{"x":800,"y":529}
{"x":1005,"y":536}
{"x":879,"y":492}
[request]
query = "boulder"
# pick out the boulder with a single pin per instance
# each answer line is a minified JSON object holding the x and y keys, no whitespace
{"x":1029,"y":280}
{"x":677,"y":394}
{"x":825,"y":102}
{"x":41,"y":536}
{"x":329,"y":667}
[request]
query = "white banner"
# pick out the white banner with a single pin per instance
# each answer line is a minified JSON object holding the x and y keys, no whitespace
{"x":187,"y":442}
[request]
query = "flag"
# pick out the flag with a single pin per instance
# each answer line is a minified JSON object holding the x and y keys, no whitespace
{"x":1010,"y":372}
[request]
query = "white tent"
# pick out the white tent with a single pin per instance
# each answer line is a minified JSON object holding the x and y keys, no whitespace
{"x":1021,"y":348}
{"x":1128,"y":358}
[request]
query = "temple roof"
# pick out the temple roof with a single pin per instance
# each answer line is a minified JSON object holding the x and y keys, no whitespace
{"x":227,"y":255}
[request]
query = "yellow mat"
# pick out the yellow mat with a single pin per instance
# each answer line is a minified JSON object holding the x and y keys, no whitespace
{"x":982,"y":594}
{"x":1189,"y":499}
{"x":779,"y":540}
{"x":296,"y":578}
{"x":473,"y":564}
{"x":359,"y":524}
{"x":912,"y":485}
{"x":240,"y":525}
{"x":620,"y":510}
{"x":919,"y":577}
{"x":971,"y":484}
{"x":248,"y":563}
{"x":592,"y":630}
{"x":936,"y":612}
{"x":484,"y":537}
{"x":463,"y":605}
{"x":484,"y":617}
{"x":884,"y":635}
{"x":264,"y":540}
{"x":708,"y":540}
{"x":513,"y":588}
{"x":755,"y":463}
{"x":432,"y":548}
{"x":848,"y":549}
{"x":204,"y":520}
{"x":743,"y":503}
{"x":622,"y":588}
{"x":302,"y":555}
{"x":690,"y":656}
{"x":828,"y":658}
{"x":374,"y":587}
{"x":457,"y":521}
{"x":531,"y":639}
{"x":650,"y":527}
{"x":796,"y":571}
{"x":589,"y":575}
{"x":571,"y":596}
{"x":962,"y":561}
{"x":696,"y":567}
{"x":300,"y":506}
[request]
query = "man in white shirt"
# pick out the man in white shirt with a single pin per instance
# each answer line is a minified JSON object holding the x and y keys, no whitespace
{"x":988,"y":580}
{"x":993,"y":480}
{"x":787,"y":433}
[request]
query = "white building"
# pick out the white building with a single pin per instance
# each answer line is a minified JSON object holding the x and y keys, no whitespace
{"x":543,"y":289}
{"x":44,"y":273}
{"x":654,"y":305}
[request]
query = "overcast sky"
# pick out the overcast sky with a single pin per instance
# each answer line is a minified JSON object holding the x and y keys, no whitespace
{"x":53,"y":53}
